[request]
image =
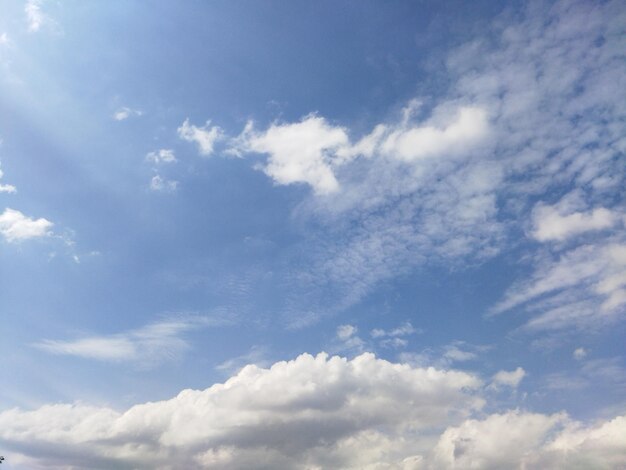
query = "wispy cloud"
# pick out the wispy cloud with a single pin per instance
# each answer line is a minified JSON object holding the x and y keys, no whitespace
{"x":34,"y":16}
{"x":6,"y":188}
{"x":146,"y":346}
{"x":161,"y":184}
{"x":125,"y":112}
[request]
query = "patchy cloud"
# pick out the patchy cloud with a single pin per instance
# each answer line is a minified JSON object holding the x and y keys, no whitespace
{"x":15,"y":226}
{"x":125,"y":112}
{"x":204,"y":137}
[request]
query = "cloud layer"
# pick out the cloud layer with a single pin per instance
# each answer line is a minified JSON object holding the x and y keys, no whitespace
{"x":311,"y":412}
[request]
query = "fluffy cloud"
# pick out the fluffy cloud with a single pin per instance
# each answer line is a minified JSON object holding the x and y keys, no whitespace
{"x":146,"y":346}
{"x":15,"y":226}
{"x":205,"y":137}
{"x":311,"y":412}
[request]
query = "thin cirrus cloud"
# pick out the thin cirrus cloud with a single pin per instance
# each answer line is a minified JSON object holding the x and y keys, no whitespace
{"x":34,"y":16}
{"x":15,"y":226}
{"x":147,"y":346}
{"x":313,"y":411}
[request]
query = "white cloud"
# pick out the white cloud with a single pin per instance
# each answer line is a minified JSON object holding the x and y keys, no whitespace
{"x":6,"y":188}
{"x":312,"y":412}
{"x":4,"y":39}
{"x":584,"y":286}
{"x":158,"y":183}
{"x":15,"y":226}
{"x":309,"y":412}
{"x":346,"y":331}
{"x":161,"y":156}
{"x":300,"y":152}
{"x":579,"y":353}
{"x":205,"y":137}
{"x":552,"y":223}
{"x":125,"y":112}
{"x":403,"y":330}
{"x":34,"y":15}
{"x":146,"y":346}
{"x":348,"y":340}
{"x":505,"y":378}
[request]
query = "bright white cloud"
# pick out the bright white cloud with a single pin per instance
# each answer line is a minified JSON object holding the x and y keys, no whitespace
{"x":509,"y":379}
{"x":579,"y":353}
{"x":15,"y":226}
{"x":125,"y":112}
{"x":146,"y":346}
{"x":205,"y":137}
{"x":549,"y":223}
{"x":311,"y":412}
{"x":301,"y":152}
{"x":161,"y":156}
{"x":158,"y":183}
{"x":4,"y":39}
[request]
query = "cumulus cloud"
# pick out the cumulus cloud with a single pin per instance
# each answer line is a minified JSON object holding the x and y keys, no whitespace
{"x":15,"y":226}
{"x":205,"y":137}
{"x":161,"y":156}
{"x":311,"y":412}
{"x":125,"y":112}
{"x":146,"y":346}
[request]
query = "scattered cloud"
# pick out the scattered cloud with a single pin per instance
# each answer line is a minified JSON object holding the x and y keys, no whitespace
{"x":161,"y":156}
{"x":15,"y":226}
{"x":403,"y":330}
{"x":556,"y":223}
{"x":6,"y":188}
{"x":158,"y":183}
{"x":348,"y":340}
{"x":205,"y":137}
{"x":125,"y":112}
{"x":4,"y":39}
{"x":509,"y":379}
{"x":313,"y":412}
{"x":579,"y":353}
{"x":146,"y":346}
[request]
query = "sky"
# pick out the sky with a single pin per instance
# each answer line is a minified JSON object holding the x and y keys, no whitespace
{"x":308,"y":235}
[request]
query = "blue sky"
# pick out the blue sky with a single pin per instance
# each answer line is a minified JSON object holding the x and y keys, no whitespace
{"x":394,"y":230}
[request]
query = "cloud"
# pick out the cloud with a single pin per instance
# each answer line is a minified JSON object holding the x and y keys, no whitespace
{"x":584,"y":286}
{"x":146,"y":346}
{"x":579,"y":353}
{"x":125,"y":112}
{"x":6,"y":188}
{"x":298,"y":152}
{"x":557,"y":223}
{"x":34,"y":15}
{"x":161,"y":156}
{"x":403,"y":330}
{"x":158,"y":183}
{"x":312,"y":412}
{"x":15,"y":226}
{"x":205,"y":137}
{"x":505,"y":378}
